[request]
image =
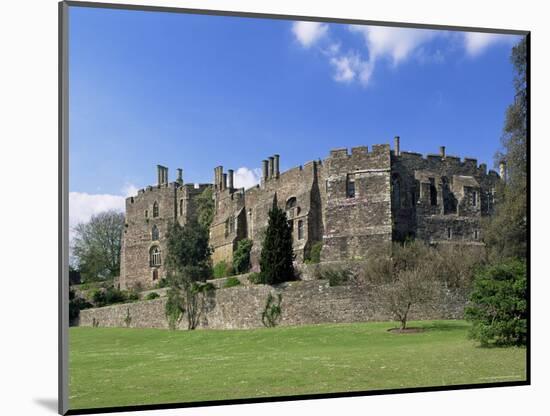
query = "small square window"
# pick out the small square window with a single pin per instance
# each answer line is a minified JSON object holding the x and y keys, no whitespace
{"x":350,"y":186}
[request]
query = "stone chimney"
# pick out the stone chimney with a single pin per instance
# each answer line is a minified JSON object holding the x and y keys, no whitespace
{"x":265,"y":170}
{"x":442,"y":152}
{"x":396,"y":146}
{"x":180,"y":176}
{"x":224,"y":181}
{"x":230,"y":179}
{"x":271,"y":167}
{"x":276,"y":167}
{"x":218,"y":177}
{"x":162,"y":175}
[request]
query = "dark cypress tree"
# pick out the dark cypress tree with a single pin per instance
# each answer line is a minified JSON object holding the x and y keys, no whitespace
{"x":277,"y":254}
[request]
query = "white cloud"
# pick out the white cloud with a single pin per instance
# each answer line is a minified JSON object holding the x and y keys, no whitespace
{"x":246,"y":178}
{"x":129,"y":190}
{"x":392,"y":42}
{"x":82,"y":206}
{"x":476,"y":43}
{"x":308,"y":33}
{"x":351,"y":67}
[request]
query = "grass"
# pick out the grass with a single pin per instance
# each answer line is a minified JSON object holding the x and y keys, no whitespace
{"x":122,"y":366}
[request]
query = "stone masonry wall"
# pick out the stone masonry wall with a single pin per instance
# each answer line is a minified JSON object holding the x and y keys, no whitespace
{"x":303,"y":302}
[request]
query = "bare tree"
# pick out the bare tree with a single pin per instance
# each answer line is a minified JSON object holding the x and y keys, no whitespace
{"x":408,"y":288}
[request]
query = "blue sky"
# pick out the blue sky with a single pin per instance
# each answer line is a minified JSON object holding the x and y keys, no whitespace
{"x":196,"y":91}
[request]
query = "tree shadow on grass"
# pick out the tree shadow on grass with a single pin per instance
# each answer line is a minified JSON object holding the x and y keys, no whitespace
{"x":446,"y":326}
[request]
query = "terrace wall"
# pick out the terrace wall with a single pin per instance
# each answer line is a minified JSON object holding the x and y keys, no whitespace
{"x":303,"y":302}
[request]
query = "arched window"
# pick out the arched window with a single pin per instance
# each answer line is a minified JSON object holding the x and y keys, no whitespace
{"x":291,"y":203}
{"x":155,"y":209}
{"x":154,"y":256}
{"x":155,"y":233}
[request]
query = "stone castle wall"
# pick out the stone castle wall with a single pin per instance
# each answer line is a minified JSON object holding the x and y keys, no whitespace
{"x":303,"y":303}
{"x":154,"y":207}
{"x":352,"y":202}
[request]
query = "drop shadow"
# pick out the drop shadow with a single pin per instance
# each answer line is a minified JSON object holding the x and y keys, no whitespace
{"x":49,"y":404}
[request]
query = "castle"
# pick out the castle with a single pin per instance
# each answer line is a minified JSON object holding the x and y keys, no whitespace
{"x":348,"y":202}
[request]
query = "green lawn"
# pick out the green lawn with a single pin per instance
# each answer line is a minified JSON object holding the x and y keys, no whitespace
{"x":119,"y":366}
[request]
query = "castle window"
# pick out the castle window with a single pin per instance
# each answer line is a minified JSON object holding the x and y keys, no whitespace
{"x":229,"y":225}
{"x":291,"y":203}
{"x":146,"y":214}
{"x":350,"y":186}
{"x":155,"y":274}
{"x":474,"y":199}
{"x":476,"y":235}
{"x":300,"y":230}
{"x":154,"y":257}
{"x":449,"y":200}
{"x":155,"y":233}
{"x":155,"y":209}
{"x":181,"y":207}
{"x":433,"y":192}
{"x":449,"y":233}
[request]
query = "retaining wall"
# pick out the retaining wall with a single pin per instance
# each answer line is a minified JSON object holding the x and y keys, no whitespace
{"x":303,"y":302}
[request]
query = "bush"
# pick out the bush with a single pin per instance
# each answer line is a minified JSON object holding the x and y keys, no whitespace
{"x":76,"y":304}
{"x":132,"y":295}
{"x":104,"y":297}
{"x":255,"y":278}
{"x":498,"y":304}
{"x":162,"y":283}
{"x":152,"y":295}
{"x":335,"y":277}
{"x":222,"y":269}
{"x":314,"y":255}
{"x":231,"y":282}
{"x":241,"y":256}
{"x":272,"y":311}
{"x":112,"y":295}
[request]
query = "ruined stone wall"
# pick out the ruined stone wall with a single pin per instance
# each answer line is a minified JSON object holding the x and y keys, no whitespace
{"x":440,"y":198}
{"x":303,"y":303}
